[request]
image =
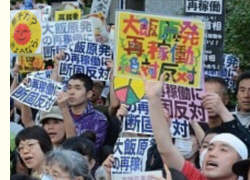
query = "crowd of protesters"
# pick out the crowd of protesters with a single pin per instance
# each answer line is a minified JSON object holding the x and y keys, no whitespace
{"x":75,"y":140}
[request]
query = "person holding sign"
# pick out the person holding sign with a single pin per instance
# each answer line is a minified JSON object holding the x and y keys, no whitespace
{"x":79,"y":112}
{"x":222,"y":148}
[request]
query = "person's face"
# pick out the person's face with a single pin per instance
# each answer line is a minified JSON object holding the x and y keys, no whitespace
{"x":243,"y":95}
{"x":55,"y":129}
{"x":57,"y":173}
{"x":31,"y":153}
{"x":206,"y":141}
{"x":219,"y":160}
{"x":97,"y":91}
{"x":77,"y":93}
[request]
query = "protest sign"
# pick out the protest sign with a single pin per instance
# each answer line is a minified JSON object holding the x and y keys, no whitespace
{"x":137,"y":120}
{"x":30,"y":63}
{"x":179,"y":128}
{"x":229,"y":70}
{"x":88,"y":58}
{"x":184,"y":103}
{"x":130,"y":155}
{"x":39,"y":93}
{"x":66,"y":15}
{"x":147,"y":175}
{"x":128,"y":91}
{"x":25,"y":31}
{"x":100,"y":27}
{"x":100,"y":6}
{"x":152,"y":45}
{"x":213,"y":14}
{"x":57,"y":35}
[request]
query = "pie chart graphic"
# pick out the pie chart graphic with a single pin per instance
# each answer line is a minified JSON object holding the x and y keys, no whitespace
{"x":128,"y":91}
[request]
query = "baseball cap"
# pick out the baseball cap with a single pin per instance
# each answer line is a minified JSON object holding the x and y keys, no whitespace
{"x":241,"y":167}
{"x":55,"y":113}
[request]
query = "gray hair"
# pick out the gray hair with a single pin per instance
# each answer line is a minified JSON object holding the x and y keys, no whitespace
{"x":70,"y":161}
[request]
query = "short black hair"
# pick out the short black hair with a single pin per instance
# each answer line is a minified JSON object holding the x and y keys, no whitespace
{"x":219,"y":80}
{"x":81,"y":145}
{"x":37,"y":133}
{"x":87,"y":81}
{"x":244,"y":75}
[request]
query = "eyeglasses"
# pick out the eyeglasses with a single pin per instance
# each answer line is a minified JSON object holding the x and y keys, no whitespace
{"x":30,"y":145}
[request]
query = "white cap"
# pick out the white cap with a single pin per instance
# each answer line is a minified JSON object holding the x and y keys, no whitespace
{"x":230,"y":139}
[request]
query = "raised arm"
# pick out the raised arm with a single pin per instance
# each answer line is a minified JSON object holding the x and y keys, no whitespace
{"x":169,"y":153}
{"x":57,"y":58}
{"x":26,"y":116}
{"x":69,"y":124}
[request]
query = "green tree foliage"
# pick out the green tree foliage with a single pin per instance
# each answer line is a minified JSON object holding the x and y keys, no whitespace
{"x":237,"y":30}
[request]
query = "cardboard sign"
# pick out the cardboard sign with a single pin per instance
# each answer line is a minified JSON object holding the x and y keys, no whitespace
{"x":151,"y":45}
{"x":138,"y":120}
{"x":184,"y":103}
{"x":67,"y":15}
{"x":39,"y":93}
{"x":128,"y":91}
{"x":25,"y":31}
{"x":100,"y":6}
{"x":130,"y":155}
{"x":147,"y":175}
{"x":30,"y":63}
{"x":58,"y":35}
{"x":88,"y":58}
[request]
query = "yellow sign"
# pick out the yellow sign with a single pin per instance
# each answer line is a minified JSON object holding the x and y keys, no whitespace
{"x":30,"y":63}
{"x":66,"y":15}
{"x":152,"y":45}
{"x":25,"y":33}
{"x":128,"y":91}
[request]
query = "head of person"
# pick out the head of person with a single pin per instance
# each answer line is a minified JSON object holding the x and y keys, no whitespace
{"x":53,"y":124}
{"x":32,"y":144}
{"x":242,"y":168}
{"x":243,"y":91}
{"x":79,"y":89}
{"x":210,"y":133}
{"x":67,"y":165}
{"x":97,"y":91}
{"x":223,"y":151}
{"x":83,"y":146}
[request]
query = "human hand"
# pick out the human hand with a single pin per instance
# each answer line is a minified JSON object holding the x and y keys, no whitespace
{"x":153,"y":89}
{"x":212,"y":102}
{"x":122,"y":111}
{"x":108,"y":163}
{"x":62,"y":99}
{"x":58,"y":57}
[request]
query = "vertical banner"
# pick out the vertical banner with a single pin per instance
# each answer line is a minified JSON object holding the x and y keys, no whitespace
{"x":130,"y":155}
{"x":229,"y":70}
{"x":152,"y":45}
{"x":100,"y":6}
{"x":58,"y":35}
{"x":25,"y":31}
{"x":214,"y":13}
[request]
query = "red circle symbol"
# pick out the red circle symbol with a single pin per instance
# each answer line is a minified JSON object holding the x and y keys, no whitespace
{"x":22,"y":34}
